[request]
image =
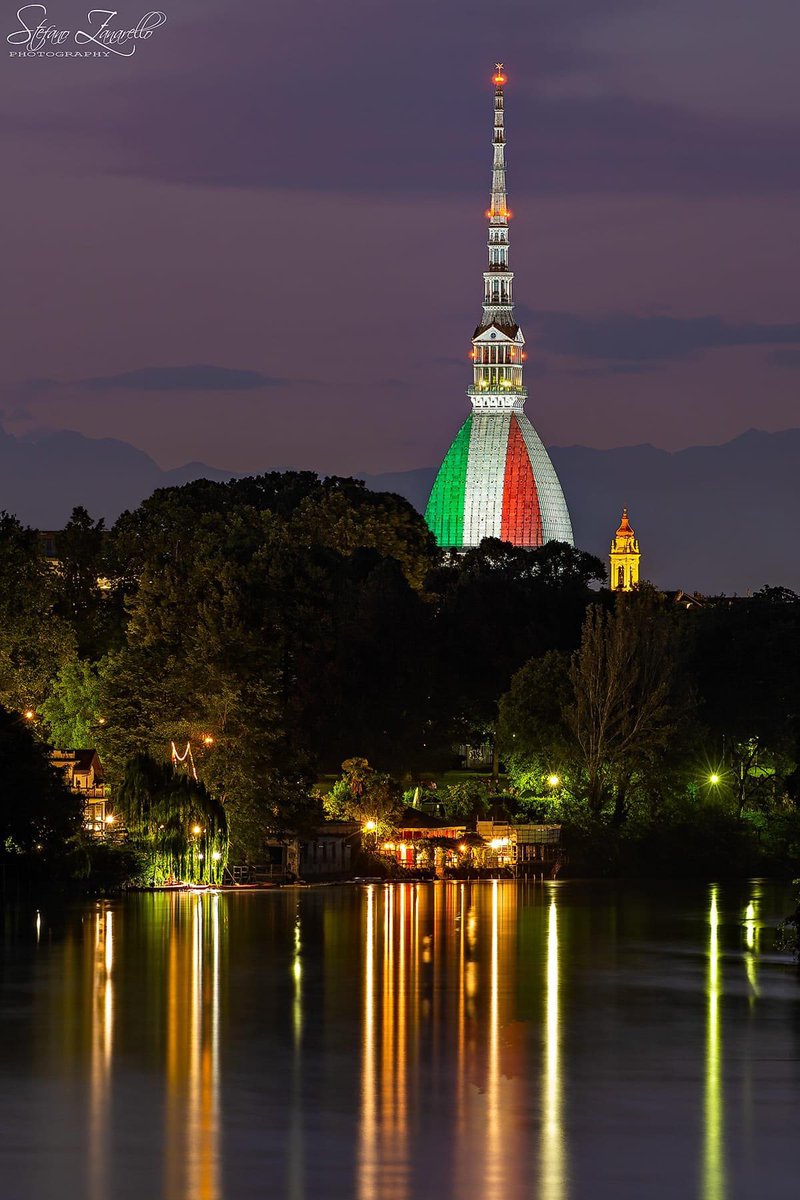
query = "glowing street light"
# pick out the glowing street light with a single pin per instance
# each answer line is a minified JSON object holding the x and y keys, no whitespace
{"x":370,"y":826}
{"x":714,"y":778}
{"x":553,"y":781}
{"x":208,"y":740}
{"x":29,"y":714}
{"x":196,"y":830}
{"x":216,"y":855}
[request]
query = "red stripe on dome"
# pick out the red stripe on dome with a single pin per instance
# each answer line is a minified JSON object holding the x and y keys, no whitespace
{"x":522,"y":517}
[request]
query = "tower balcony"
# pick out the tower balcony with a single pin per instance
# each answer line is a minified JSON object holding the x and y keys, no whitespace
{"x":475,"y":389}
{"x":497,"y":399}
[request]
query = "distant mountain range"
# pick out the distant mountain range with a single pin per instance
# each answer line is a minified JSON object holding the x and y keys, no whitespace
{"x":709,"y":518}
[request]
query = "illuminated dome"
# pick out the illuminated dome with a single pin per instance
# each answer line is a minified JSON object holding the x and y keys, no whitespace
{"x":497,"y":479}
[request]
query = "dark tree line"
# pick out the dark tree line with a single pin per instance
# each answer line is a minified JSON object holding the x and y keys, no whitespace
{"x":283,"y":624}
{"x":668,"y":719}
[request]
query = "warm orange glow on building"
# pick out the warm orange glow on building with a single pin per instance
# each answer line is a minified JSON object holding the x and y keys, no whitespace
{"x":624,"y":558}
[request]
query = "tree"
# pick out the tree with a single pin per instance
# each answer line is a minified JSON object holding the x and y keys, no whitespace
{"x":80,"y":599}
{"x":365,"y":795}
{"x":333,"y":513}
{"x":285,"y":808}
{"x":746,"y":654}
{"x":38,"y":812}
{"x":34,"y":641}
{"x":72,"y":712}
{"x":621,"y":678}
{"x":175,"y":820}
{"x":496,"y":607}
{"x":344,"y":515}
{"x":467,"y":800}
{"x":535,"y":739}
{"x":308,"y":568}
{"x":374,"y":670}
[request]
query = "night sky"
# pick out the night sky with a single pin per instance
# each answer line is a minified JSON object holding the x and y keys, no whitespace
{"x":293,"y":194}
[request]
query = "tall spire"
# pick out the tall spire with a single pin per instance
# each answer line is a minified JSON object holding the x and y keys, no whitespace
{"x":497,"y":480}
{"x":497,"y":344}
{"x":498,"y":211}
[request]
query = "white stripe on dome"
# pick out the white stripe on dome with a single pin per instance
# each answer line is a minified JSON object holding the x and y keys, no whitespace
{"x":486,"y":470}
{"x":556,"y":525}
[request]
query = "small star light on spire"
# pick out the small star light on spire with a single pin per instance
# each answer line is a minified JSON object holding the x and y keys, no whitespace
{"x":499,"y":76}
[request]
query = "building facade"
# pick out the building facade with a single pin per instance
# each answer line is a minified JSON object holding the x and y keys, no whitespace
{"x":84,"y":775}
{"x":497,"y":479}
{"x":624,"y":558}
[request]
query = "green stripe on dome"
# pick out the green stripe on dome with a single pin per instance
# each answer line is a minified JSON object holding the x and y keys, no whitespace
{"x":445,"y":509}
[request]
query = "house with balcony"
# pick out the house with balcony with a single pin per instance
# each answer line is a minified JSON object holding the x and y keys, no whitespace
{"x":521,"y":850}
{"x":83,"y":772}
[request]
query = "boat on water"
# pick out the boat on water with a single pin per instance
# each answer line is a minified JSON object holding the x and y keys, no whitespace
{"x":160,"y":887}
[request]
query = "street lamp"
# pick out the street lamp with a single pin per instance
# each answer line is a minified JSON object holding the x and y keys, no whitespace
{"x":553,"y":781}
{"x":370,"y":826}
{"x":714,"y":778}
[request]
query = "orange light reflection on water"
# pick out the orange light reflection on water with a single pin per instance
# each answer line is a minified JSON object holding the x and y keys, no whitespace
{"x":440,"y":982}
{"x":102,"y":1048}
{"x":552,"y":1155}
{"x":192,"y":1117}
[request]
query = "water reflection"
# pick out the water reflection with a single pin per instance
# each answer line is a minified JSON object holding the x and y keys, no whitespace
{"x":714,"y":1185}
{"x":367,"y":1173}
{"x":552,"y":1146}
{"x":466,"y":1040}
{"x":493,"y":1178}
{"x":383,"y":1155}
{"x":296,"y":1175}
{"x":441,"y":962}
{"x":752,"y":932}
{"x":191,"y":1133}
{"x":102,"y":1047}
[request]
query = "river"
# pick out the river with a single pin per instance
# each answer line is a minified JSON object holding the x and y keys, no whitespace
{"x":558,"y":1041}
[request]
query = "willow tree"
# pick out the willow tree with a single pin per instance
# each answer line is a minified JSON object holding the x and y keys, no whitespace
{"x":180,"y":826}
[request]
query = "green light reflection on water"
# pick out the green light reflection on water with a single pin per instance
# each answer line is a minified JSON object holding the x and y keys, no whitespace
{"x":714,"y":1180}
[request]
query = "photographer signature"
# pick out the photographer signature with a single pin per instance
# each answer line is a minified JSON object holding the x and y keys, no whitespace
{"x":45,"y":36}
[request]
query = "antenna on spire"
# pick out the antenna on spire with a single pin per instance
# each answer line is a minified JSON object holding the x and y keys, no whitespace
{"x":498,"y":208}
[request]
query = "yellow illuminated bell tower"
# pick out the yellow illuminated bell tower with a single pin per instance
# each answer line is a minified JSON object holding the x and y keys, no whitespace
{"x":624,"y":575}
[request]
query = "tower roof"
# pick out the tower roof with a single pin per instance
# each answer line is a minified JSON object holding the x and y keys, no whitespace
{"x":625,"y":530}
